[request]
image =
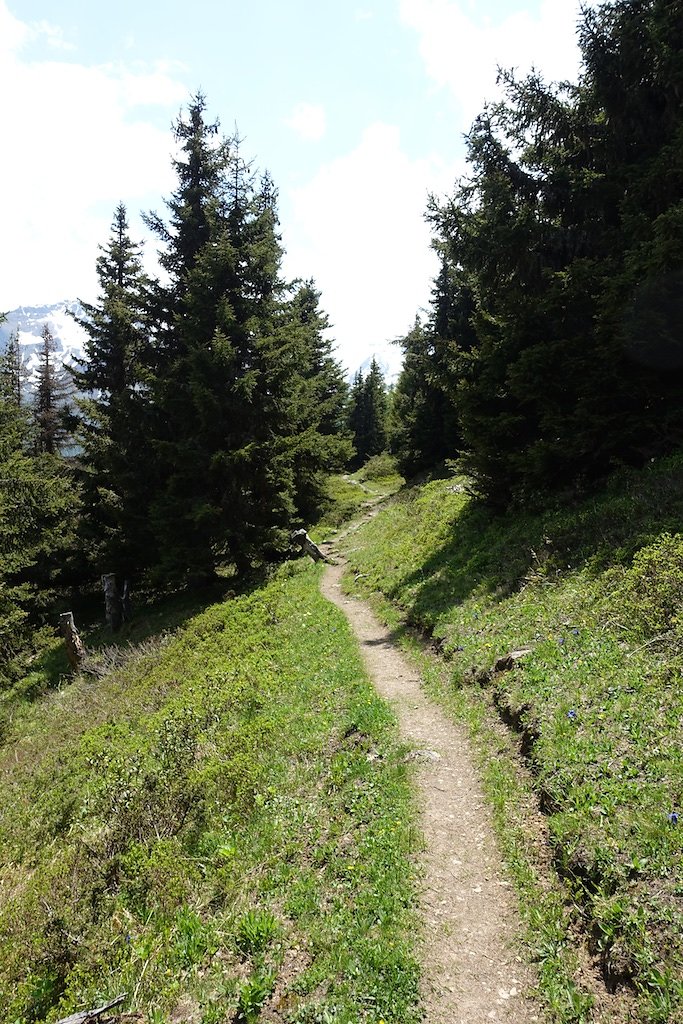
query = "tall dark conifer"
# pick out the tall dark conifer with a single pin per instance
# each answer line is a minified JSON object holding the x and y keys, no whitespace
{"x":37,"y":511}
{"x":368,"y":414}
{"x":115,"y":414}
{"x":229,"y":380}
{"x":53,"y":392}
{"x":321,"y":439}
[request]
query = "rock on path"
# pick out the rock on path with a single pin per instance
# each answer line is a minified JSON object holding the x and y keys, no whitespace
{"x":472,"y":973}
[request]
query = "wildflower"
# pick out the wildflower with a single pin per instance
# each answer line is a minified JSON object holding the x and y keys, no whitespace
{"x":575,"y":632}
{"x":571,"y":714}
{"x":673,"y":818}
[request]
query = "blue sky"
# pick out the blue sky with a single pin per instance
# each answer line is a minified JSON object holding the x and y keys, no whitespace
{"x":357,"y":109}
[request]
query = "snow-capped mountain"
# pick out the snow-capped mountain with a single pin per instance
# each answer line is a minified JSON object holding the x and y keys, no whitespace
{"x":29,"y":321}
{"x":70,"y":338}
{"x":390,"y":361}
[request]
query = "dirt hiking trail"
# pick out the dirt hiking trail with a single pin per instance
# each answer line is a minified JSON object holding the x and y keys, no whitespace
{"x":471,"y":970}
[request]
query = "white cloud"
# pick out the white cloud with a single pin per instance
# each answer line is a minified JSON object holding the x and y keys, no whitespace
{"x":461,"y":51}
{"x":74,"y":146}
{"x":13,"y":33}
{"x":358,"y":226}
{"x":52,"y":34}
{"x":308,"y":121}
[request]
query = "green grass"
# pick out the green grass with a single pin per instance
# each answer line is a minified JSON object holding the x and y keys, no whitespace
{"x":595,"y":591}
{"x":221,"y":825}
{"x":349,"y":494}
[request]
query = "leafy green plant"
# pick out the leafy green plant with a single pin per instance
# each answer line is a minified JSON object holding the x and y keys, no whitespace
{"x":252,"y":995}
{"x":255,"y":931}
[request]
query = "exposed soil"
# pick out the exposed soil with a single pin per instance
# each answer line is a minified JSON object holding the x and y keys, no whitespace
{"x":472,"y":971}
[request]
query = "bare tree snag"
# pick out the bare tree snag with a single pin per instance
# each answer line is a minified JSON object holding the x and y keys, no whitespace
{"x":126,"y":609}
{"x":301,"y":538}
{"x":75,"y":651}
{"x":112,"y":602}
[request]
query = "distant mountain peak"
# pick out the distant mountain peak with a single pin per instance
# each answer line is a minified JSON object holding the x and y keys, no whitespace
{"x":29,"y":322}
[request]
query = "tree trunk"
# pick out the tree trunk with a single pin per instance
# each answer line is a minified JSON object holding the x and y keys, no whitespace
{"x":112,"y":602}
{"x":126,"y":608}
{"x":301,"y":538}
{"x":75,"y":651}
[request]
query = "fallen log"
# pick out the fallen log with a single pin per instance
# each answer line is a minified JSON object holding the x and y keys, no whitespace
{"x":86,"y":1016}
{"x":509,"y":660}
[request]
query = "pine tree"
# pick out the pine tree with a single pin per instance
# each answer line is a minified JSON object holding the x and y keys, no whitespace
{"x":322,"y":441}
{"x":567,"y":237}
{"x":51,"y":401}
{"x":37,"y":511}
{"x":230,"y":381}
{"x":117,"y":465}
{"x":368,"y":412}
{"x":14,"y":372}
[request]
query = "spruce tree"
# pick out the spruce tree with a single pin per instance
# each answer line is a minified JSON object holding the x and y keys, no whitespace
{"x":53,"y":392}
{"x":566,"y":235}
{"x":117,"y":467}
{"x":38,"y":505}
{"x":228,"y":387}
{"x":368,"y":412}
{"x":14,"y":372}
{"x":322,"y":441}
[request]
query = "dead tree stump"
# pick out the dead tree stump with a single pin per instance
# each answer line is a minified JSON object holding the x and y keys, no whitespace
{"x":75,"y":651}
{"x":301,"y":538}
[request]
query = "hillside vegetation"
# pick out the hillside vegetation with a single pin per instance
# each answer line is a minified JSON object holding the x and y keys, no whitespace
{"x":221,"y":828}
{"x":595,"y":593}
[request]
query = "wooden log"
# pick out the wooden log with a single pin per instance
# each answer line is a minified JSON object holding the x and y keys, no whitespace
{"x":75,"y":651}
{"x":112,"y":602}
{"x":301,"y":538}
{"x":86,"y":1016}
{"x":509,"y":660}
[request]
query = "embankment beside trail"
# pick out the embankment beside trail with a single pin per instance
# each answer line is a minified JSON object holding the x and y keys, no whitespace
{"x":594,"y":591}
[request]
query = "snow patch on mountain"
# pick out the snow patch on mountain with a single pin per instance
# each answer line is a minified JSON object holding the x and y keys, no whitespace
{"x":390,"y":361}
{"x":29,"y":322}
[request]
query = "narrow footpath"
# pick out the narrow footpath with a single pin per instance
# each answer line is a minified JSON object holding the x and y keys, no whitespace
{"x":472,"y":972}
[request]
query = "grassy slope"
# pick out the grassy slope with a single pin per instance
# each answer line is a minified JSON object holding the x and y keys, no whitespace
{"x":594,"y":591}
{"x":222,"y":824}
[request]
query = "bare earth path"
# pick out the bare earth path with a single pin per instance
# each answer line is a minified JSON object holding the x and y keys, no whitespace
{"x":471,"y":970}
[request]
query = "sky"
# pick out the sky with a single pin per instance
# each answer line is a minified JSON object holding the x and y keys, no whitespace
{"x":357,"y":108}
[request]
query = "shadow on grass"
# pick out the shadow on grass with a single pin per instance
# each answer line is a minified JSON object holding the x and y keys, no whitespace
{"x":152,"y":616}
{"x":494,"y":554}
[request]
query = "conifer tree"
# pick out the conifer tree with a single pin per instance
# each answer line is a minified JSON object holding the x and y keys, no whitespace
{"x":37,"y":510}
{"x":566,"y":236}
{"x":368,"y":411}
{"x":14,"y":372}
{"x":322,"y":441}
{"x":232,"y":386}
{"x":51,"y":401}
{"x":117,"y":468}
